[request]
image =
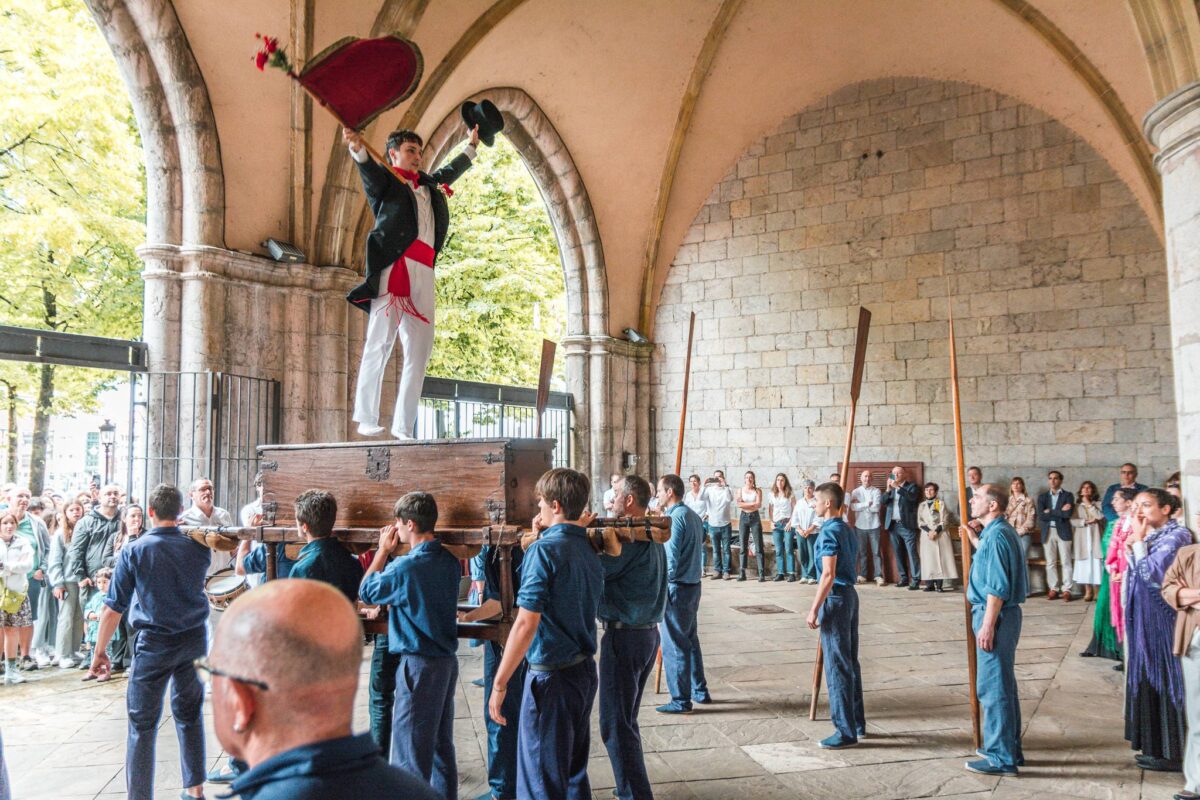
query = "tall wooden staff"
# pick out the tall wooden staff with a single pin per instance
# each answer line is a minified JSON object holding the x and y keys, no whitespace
{"x":687,"y":376}
{"x":962,"y":506}
{"x":860,"y":360}
{"x":543,"y":387}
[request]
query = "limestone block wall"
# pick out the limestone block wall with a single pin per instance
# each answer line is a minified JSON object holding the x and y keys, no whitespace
{"x":871,"y":197}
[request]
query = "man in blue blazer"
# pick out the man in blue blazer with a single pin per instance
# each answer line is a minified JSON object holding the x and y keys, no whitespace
{"x":899,"y":503}
{"x":1054,"y":510}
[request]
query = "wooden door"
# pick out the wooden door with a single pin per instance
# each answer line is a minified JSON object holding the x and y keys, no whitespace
{"x":880,"y":472}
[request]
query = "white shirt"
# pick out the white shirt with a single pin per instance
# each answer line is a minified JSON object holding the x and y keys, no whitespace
{"x":803,"y":516}
{"x":247,"y":515}
{"x":219,"y":517}
{"x":864,"y":501}
{"x":609,"y":495}
{"x":719,"y":500}
{"x":696,"y":502}
{"x":425,"y":229}
{"x":781,"y":507}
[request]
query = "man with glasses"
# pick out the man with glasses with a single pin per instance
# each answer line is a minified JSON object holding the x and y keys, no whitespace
{"x":159,"y":582}
{"x":284,"y":670}
{"x":1129,"y":473}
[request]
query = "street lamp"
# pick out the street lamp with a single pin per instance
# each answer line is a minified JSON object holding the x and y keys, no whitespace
{"x":108,"y":437}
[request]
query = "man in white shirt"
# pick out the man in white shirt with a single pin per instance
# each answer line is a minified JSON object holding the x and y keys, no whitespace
{"x":693,"y":498}
{"x":610,"y":495}
{"x":718,"y":504}
{"x":203,"y":512}
{"x":864,"y":501}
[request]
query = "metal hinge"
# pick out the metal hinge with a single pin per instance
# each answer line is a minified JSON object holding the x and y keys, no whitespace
{"x":379,"y":463}
{"x":268,"y":466}
{"x":495,"y":510}
{"x":497,"y":458}
{"x":269,"y":507}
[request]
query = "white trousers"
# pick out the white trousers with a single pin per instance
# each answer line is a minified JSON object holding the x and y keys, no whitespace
{"x":1191,"y":700}
{"x":416,"y":343}
{"x":1058,"y":550}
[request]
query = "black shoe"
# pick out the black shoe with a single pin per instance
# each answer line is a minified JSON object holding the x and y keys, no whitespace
{"x":778,"y":578}
{"x":761,"y":578}
{"x":716,"y":576}
{"x":914,"y":586}
{"x":902,"y":584}
{"x":1118,"y":667}
{"x":929,"y":586}
{"x":1152,"y":764}
{"x":1087,"y":654}
{"x":1186,"y":795}
{"x":791,"y":578}
{"x":937,"y":586}
{"x":742,"y":577}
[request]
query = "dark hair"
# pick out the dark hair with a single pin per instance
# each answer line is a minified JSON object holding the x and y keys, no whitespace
{"x":1095,"y":491}
{"x":787,"y":486}
{"x":1024,"y":489}
{"x":1127,"y":492}
{"x":397,"y":138}
{"x":1054,"y":472}
{"x":638,"y":488}
{"x":317,"y":510}
{"x":977,"y":469}
{"x":694,"y":477}
{"x":1172,"y":481}
{"x":418,"y":507}
{"x":1131,"y":464}
{"x":997,"y":494}
{"x":104,"y":574}
{"x":165,"y":501}
{"x":567,"y":487}
{"x":674,"y":484}
{"x":934,"y":485}
{"x":1163,"y":498}
{"x":833,"y":491}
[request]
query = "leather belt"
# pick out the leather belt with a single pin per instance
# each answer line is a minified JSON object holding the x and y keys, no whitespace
{"x":617,"y":625}
{"x":579,"y":659}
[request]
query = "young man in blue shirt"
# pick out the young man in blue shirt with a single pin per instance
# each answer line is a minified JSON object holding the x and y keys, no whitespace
{"x":284,"y":669}
{"x":561,"y":584}
{"x":835,"y":612}
{"x":635,"y":595}
{"x":420,"y":590}
{"x":995,"y":589}
{"x":159,"y":581}
{"x":683,"y":662}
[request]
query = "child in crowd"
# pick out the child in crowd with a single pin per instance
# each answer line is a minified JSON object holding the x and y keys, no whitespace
{"x":91,"y":617}
{"x":835,"y":612}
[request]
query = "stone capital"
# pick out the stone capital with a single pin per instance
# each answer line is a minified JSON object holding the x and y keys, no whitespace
{"x":1173,"y":126}
{"x":606,"y":345}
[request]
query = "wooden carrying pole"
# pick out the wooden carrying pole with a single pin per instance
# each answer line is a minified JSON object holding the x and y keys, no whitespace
{"x":687,"y":375}
{"x":962,"y":506}
{"x":543,"y":387}
{"x":860,"y":360}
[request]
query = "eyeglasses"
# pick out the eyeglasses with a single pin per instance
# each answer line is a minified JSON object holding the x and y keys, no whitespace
{"x":206,"y":671}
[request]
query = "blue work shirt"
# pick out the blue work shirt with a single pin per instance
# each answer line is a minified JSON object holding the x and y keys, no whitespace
{"x":328,"y":560}
{"x":685,"y":548}
{"x":255,"y":562}
{"x":159,"y":580}
{"x":997,"y":567}
{"x":562,"y":580}
{"x":836,"y":538}
{"x":348,"y":768}
{"x":635,"y":584}
{"x":421,"y":592}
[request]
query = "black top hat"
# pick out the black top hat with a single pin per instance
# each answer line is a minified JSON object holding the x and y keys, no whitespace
{"x":486,"y":116}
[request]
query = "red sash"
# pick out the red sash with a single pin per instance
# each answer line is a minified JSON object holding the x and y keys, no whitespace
{"x":399,"y":288}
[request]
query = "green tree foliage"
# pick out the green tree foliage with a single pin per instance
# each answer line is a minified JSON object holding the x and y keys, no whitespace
{"x":499,"y":278}
{"x":72,"y":198}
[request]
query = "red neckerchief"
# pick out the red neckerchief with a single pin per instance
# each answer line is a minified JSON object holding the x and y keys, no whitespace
{"x":411,"y":177}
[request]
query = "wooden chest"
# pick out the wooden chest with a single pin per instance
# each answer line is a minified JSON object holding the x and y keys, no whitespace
{"x":476,"y":482}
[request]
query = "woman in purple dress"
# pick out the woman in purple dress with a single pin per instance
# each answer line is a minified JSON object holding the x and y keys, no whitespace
{"x":1154,"y":715}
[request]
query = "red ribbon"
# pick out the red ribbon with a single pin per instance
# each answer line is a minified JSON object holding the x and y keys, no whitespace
{"x":411,"y":177}
{"x":398,"y":284}
{"x":446,"y":188}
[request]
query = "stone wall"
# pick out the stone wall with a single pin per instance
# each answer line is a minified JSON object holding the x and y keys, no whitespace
{"x":869,"y":198}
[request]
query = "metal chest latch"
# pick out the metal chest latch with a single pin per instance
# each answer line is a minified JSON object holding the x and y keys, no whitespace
{"x":269,"y":508}
{"x":379,"y":463}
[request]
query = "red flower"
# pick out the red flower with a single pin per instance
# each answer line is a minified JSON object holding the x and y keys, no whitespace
{"x":271,"y":43}
{"x":448,"y":191}
{"x":260,"y":60}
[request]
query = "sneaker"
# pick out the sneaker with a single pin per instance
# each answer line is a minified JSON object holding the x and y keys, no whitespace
{"x":674,"y":708}
{"x":742,"y":577}
{"x":861,"y":579}
{"x":728,"y":577}
{"x":66,"y":663}
{"x":837,"y":742}
{"x":791,"y":578}
{"x":43,"y":661}
{"x":28,"y":664}
{"x":778,"y":578}
{"x":914,"y":586}
{"x":929,"y":586}
{"x":1020,"y":759}
{"x":984,"y":767}
{"x":761,"y":578}
{"x":704,"y":699}
{"x":224,"y":774}
{"x":13,"y":677}
{"x":880,"y":582}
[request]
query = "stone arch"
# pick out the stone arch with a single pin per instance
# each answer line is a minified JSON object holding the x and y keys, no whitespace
{"x":185,"y":182}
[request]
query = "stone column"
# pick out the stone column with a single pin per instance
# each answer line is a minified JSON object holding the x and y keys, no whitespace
{"x":1173,"y":126}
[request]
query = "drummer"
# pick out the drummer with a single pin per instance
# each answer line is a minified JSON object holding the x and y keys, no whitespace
{"x":159,"y":582}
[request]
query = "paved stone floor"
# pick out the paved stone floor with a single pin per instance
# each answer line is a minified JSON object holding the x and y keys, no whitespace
{"x":64,"y":739}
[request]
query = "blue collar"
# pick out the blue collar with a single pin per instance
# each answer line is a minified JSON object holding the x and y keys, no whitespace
{"x":566,"y":529}
{"x":318,"y":759}
{"x":162,"y":530}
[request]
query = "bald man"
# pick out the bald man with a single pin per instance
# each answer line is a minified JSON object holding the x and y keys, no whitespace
{"x":284,"y":669}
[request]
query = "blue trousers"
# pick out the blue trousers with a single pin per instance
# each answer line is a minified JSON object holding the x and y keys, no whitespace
{"x":785,"y":550}
{"x":996,"y":687}
{"x":423,"y":721}
{"x":722,"y":536}
{"x":502,"y":739}
{"x":381,"y":693}
{"x":843,"y":676}
{"x":868,"y":546}
{"x":556,"y":733}
{"x":626,"y":659}
{"x":804,"y":555}
{"x":157,"y":661}
{"x":904,"y":544}
{"x":683,"y":662}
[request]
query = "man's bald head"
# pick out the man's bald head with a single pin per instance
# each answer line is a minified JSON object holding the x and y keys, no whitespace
{"x":291,"y":634}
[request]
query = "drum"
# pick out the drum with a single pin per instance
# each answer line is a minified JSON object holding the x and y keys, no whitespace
{"x":223,"y":587}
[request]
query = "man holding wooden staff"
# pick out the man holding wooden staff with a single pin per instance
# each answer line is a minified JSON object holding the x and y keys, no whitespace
{"x":996,"y":588}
